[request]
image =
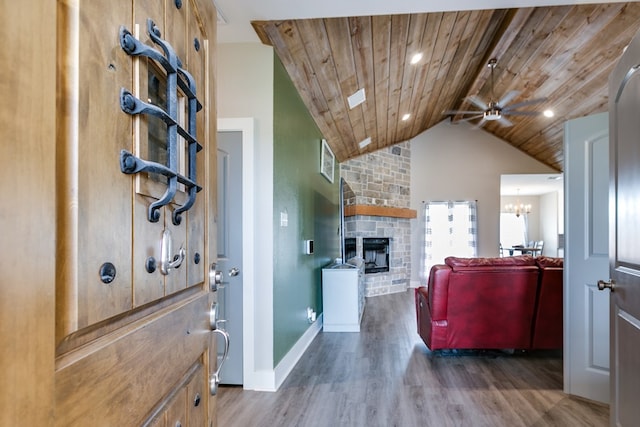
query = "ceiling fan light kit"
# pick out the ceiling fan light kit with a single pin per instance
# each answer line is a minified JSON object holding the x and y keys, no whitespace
{"x":492,"y":113}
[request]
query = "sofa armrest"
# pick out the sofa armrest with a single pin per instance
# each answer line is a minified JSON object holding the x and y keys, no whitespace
{"x":438,"y":291}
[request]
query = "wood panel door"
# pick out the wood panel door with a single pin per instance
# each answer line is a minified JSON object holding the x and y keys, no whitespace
{"x":133,"y":336}
{"x":624,"y":233}
{"x":27,"y":217}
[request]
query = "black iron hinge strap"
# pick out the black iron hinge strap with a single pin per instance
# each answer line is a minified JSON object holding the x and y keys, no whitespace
{"x":131,"y":164}
{"x":132,"y":105}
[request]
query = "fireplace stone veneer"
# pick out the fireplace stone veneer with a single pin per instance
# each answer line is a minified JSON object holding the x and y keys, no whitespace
{"x":377,"y":204}
{"x":398,"y":230}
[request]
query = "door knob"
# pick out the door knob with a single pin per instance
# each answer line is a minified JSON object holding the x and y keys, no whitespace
{"x":604,"y":284}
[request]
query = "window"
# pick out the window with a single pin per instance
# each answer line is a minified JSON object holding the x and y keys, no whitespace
{"x":450,"y":229}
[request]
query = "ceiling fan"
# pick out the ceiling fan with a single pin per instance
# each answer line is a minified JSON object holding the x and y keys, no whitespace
{"x":495,"y":110}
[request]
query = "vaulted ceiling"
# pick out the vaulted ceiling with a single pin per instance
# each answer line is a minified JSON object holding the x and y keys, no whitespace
{"x":562,"y":53}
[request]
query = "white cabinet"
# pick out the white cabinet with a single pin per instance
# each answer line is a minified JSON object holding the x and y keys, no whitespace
{"x":343,"y":297}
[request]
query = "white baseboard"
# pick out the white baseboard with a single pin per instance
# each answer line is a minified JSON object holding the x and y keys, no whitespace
{"x":289,"y":361}
{"x":271,"y":380}
{"x":262,"y":380}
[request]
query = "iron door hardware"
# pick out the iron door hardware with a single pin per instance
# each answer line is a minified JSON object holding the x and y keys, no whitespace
{"x":176,"y":77}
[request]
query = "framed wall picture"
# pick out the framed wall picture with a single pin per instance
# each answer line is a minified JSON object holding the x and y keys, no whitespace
{"x":327,"y":161}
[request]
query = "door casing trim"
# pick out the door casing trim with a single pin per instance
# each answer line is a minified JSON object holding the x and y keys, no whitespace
{"x":246,"y":126}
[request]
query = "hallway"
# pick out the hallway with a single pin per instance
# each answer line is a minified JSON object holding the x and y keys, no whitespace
{"x":385,"y":376}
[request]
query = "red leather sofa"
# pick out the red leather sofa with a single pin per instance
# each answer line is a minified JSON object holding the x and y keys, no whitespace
{"x":492,"y":303}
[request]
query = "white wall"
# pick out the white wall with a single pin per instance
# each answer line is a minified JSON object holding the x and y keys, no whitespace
{"x":534,"y":218}
{"x":456,"y":162}
{"x":245,"y":89}
{"x":544,"y":219}
{"x":549,"y":224}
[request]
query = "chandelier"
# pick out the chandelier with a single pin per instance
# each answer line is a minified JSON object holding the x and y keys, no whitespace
{"x":518,"y":208}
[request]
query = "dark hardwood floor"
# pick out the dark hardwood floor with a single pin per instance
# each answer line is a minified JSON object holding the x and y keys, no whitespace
{"x":385,"y":376}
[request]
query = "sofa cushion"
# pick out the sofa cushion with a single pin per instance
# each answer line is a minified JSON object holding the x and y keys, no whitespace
{"x":468,"y":264}
{"x":547,"y":262}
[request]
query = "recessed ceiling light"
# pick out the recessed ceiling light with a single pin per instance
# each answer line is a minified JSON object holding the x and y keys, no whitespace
{"x":365,"y":142}
{"x":548,"y":113}
{"x":406,"y":117}
{"x":416,"y":58}
{"x":356,"y":99}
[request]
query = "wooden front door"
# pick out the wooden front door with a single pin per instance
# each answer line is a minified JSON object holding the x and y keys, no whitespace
{"x":133,"y":336}
{"x":27,"y":217}
{"x":624,"y":229}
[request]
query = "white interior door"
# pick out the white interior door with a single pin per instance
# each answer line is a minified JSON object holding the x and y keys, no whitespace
{"x":624,"y":103}
{"x":586,"y":346}
{"x":230,"y":295}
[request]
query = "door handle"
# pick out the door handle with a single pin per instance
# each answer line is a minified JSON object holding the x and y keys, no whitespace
{"x":606,"y":284}
{"x":213,"y":316}
{"x":214,"y":379}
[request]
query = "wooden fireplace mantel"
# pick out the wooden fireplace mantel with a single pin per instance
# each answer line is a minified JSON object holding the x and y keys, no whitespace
{"x":372,"y":210}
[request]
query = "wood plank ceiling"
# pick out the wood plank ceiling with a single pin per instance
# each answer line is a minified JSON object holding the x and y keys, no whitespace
{"x":562,"y":53}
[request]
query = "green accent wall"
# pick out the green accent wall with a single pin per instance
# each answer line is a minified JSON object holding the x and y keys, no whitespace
{"x":310,"y":204}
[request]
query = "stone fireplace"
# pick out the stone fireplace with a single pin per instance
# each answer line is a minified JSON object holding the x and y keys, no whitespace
{"x":376,"y":199}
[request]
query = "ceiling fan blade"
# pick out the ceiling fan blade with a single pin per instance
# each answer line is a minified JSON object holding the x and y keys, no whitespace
{"x":524,"y":103}
{"x":521,"y":113}
{"x":456,"y":112}
{"x":508,"y":97}
{"x":467,"y":119}
{"x":477,"y":102}
{"x":480,"y":124}
{"x":505,"y":122}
